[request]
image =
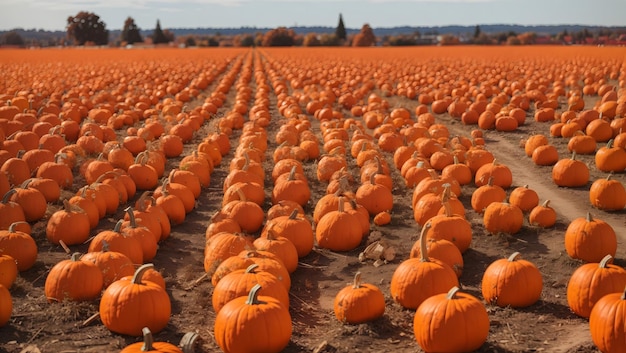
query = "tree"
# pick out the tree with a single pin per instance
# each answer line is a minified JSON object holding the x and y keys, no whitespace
{"x":130,"y":32}
{"x":279,"y":37}
{"x":340,"y":32}
{"x":311,"y":40}
{"x":365,"y":38}
{"x":12,"y":38}
{"x":87,"y":27}
{"x":476,"y":31}
{"x":158,"y":37}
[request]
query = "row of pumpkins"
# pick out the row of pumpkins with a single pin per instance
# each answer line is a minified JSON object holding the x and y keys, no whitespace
{"x":113,"y":178}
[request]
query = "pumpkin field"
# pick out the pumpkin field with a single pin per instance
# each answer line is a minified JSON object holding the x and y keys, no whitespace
{"x":365,"y":191}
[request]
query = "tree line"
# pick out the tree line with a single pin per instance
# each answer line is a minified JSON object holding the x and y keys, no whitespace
{"x":86,"y":28}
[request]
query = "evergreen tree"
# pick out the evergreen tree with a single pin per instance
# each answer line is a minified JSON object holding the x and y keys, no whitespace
{"x":130,"y":32}
{"x":340,"y":32}
{"x":158,"y":36}
{"x":477,"y":31}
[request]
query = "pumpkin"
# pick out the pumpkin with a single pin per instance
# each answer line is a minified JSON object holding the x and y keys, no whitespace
{"x":570,"y":172}
{"x":145,"y":176}
{"x":590,"y":239}
{"x":611,"y":158}
{"x":220,"y":222}
{"x":533,"y":142}
{"x":296,"y":228}
{"x":542,"y":215}
{"x":607,"y":194}
{"x":374,"y":197}
{"x":545,"y":155}
{"x":240,"y":324}
{"x":382,"y":218}
{"x":606,"y":323}
{"x":485,"y":195}
{"x":239,"y":282}
{"x":6,"y":305}
{"x":127,"y":306}
{"x":512,"y":282}
{"x":33,"y":202}
{"x":8,"y":270}
{"x":72,"y":279}
{"x":278,"y":245}
{"x":582,"y":144}
{"x":500,"y":173}
{"x":148,"y":345}
{"x":70,"y":225}
{"x":291,"y":188}
{"x":172,"y":205}
{"x":524,"y":198}
{"x":180,"y":190}
{"x":452,"y":322}
{"x":502,"y":217}
{"x":416,"y":279}
{"x":253,"y":192}
{"x":339,"y":230}
{"x":19,"y":245}
{"x":359,"y":302}
{"x":459,"y":171}
{"x":592,"y":281}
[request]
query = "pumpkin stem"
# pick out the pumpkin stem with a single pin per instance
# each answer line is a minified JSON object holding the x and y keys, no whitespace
{"x":357,"y":281}
{"x":118,"y":226}
{"x":609,"y":144}
{"x":253,"y":295}
{"x":546,"y":204}
{"x":294,"y":214}
{"x":131,"y":216}
{"x":605,"y":261}
{"x":423,"y":248}
{"x":139,"y":273}
{"x":252,"y":268}
{"x":75,"y":256}
{"x":573,"y":155}
{"x":292,"y":173}
{"x":373,"y":179}
{"x":147,"y":340}
{"x":242,"y":196}
{"x":452,"y":292}
{"x":589,"y":218}
{"x":14,"y":224}
{"x":340,"y":205}
{"x":188,"y":341}
{"x":608,"y":177}
{"x":7,"y":195}
{"x":433,"y":174}
{"x":513,"y":256}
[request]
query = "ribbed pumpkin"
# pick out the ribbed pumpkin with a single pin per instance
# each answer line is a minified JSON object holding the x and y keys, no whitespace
{"x":486,"y":194}
{"x":374,"y":197}
{"x":607,"y":194}
{"x":451,"y":227}
{"x":8,"y":270}
{"x":74,"y":280}
{"x":501,"y":174}
{"x":239,"y":282}
{"x":247,"y":214}
{"x":590,"y":239}
{"x":116,"y":240}
{"x":451,"y":322}
{"x":512,"y":282}
{"x":359,"y":302}
{"x":524,"y":198}
{"x":221,"y":246}
{"x":502,"y":217}
{"x":19,"y":245}
{"x":127,"y":306}
{"x":542,"y":215}
{"x":290,"y":187}
{"x":267,"y":261}
{"x":592,"y":281}
{"x":440,"y":249}
{"x":570,"y":172}
{"x":416,"y":279}
{"x":339,"y":230}
{"x":278,"y":245}
{"x":70,"y":225}
{"x":12,"y":212}
{"x":242,"y":324}
{"x":607,"y":323}
{"x":611,"y":158}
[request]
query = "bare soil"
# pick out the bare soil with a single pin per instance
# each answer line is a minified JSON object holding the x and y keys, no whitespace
{"x":547,"y":326}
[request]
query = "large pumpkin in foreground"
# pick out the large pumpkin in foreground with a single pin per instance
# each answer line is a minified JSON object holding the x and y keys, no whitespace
{"x":359,"y":302}
{"x":452,"y":322}
{"x":607,"y":323}
{"x":253,"y":324}
{"x":127,"y":306}
{"x":512,"y":282}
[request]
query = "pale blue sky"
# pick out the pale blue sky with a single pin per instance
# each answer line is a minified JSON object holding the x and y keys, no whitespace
{"x":52,"y":14}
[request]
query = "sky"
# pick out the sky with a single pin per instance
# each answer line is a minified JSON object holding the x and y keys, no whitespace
{"x":53,"y":14}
